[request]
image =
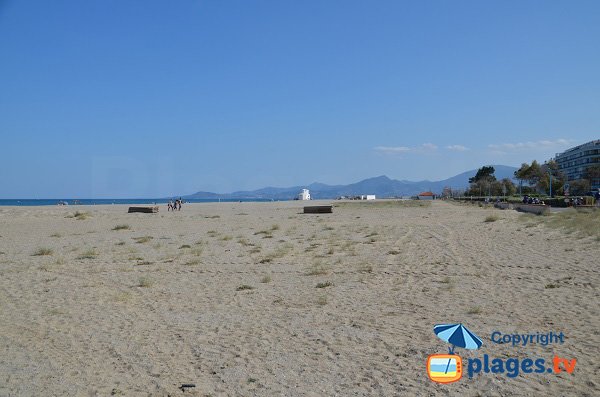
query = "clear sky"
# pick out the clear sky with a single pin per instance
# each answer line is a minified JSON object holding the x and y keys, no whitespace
{"x":158,"y":98}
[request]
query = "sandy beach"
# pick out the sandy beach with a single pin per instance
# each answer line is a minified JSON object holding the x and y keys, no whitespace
{"x":258,"y":299}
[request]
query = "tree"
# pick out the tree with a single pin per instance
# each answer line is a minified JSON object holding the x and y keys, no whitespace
{"x":485,"y":173}
{"x":558,"y":178}
{"x":579,"y":187}
{"x":592,"y":174}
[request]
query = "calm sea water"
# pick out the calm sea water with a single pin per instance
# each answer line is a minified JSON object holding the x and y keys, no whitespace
{"x":36,"y":202}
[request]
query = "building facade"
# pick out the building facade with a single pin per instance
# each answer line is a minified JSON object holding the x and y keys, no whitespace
{"x":574,"y":162}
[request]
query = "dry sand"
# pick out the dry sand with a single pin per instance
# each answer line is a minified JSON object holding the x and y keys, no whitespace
{"x":224,"y":296}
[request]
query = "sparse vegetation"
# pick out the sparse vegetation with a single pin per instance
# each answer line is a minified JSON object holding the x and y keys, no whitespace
{"x":88,"y":254}
{"x":143,"y":239}
{"x":244,"y":242}
{"x":324,"y":285}
{"x":43,"y":252}
{"x":583,"y":222}
{"x":122,"y":227}
{"x":474,"y":310}
{"x":123,"y":297}
{"x":56,"y":235}
{"x":145,"y":282}
{"x":393,"y":252}
{"x":193,"y":262}
{"x":266,"y":279}
{"x":226,"y":237}
{"x":244,"y":287}
{"x":491,"y":218}
{"x":365,"y":268}
{"x":120,"y":243}
{"x":255,"y":250}
{"x":184,"y":246}
{"x":79,"y":215}
{"x":317,"y":270}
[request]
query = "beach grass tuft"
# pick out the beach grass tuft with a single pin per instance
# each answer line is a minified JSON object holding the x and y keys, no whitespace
{"x":317,"y":269}
{"x":266,"y":279}
{"x":324,"y":285}
{"x":88,"y":254}
{"x":145,"y":282}
{"x":491,"y":218}
{"x":43,"y":252}
{"x":122,"y":227}
{"x":474,"y":310}
{"x":143,"y":239}
{"x":80,"y":215}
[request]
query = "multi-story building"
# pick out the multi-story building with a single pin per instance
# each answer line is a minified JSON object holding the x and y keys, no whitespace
{"x":574,"y":162}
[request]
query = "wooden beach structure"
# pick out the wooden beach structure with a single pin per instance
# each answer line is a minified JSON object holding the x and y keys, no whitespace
{"x":146,"y":209}
{"x":318,"y":209}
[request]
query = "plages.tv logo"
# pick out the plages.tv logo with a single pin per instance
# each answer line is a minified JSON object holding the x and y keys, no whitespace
{"x":448,"y":368}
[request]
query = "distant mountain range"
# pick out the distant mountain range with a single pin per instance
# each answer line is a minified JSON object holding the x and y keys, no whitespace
{"x":381,"y":186}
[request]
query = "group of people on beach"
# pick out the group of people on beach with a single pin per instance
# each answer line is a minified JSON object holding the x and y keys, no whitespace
{"x":174,"y":205}
{"x":532,"y":200}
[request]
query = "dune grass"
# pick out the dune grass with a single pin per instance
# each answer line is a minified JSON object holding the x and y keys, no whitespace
{"x":491,"y":218}
{"x":145,"y":282}
{"x":266,"y":279}
{"x":143,"y":239}
{"x":79,"y":215}
{"x":317,"y":269}
{"x":583,"y":222}
{"x":122,"y":227}
{"x":88,"y":254}
{"x":324,"y":285}
{"x":43,"y":252}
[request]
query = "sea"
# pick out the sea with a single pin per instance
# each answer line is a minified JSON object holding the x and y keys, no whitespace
{"x":54,"y":202}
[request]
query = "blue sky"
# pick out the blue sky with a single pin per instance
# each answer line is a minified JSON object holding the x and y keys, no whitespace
{"x":148,"y":98}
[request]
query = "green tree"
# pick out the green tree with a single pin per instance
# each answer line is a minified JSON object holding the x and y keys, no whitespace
{"x":558,"y":178}
{"x":592,"y":175}
{"x":481,"y":183}
{"x":579,"y":187}
{"x":485,"y":173}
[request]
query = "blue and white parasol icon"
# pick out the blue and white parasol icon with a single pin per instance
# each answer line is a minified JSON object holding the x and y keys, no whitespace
{"x":458,"y":336}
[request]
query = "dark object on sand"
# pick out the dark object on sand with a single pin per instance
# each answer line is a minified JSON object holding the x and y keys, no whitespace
{"x":185,"y":386}
{"x":318,"y":209}
{"x":148,"y":210}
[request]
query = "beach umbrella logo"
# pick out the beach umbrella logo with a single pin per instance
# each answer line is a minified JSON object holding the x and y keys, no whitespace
{"x":457,"y":335}
{"x":447,"y":368}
